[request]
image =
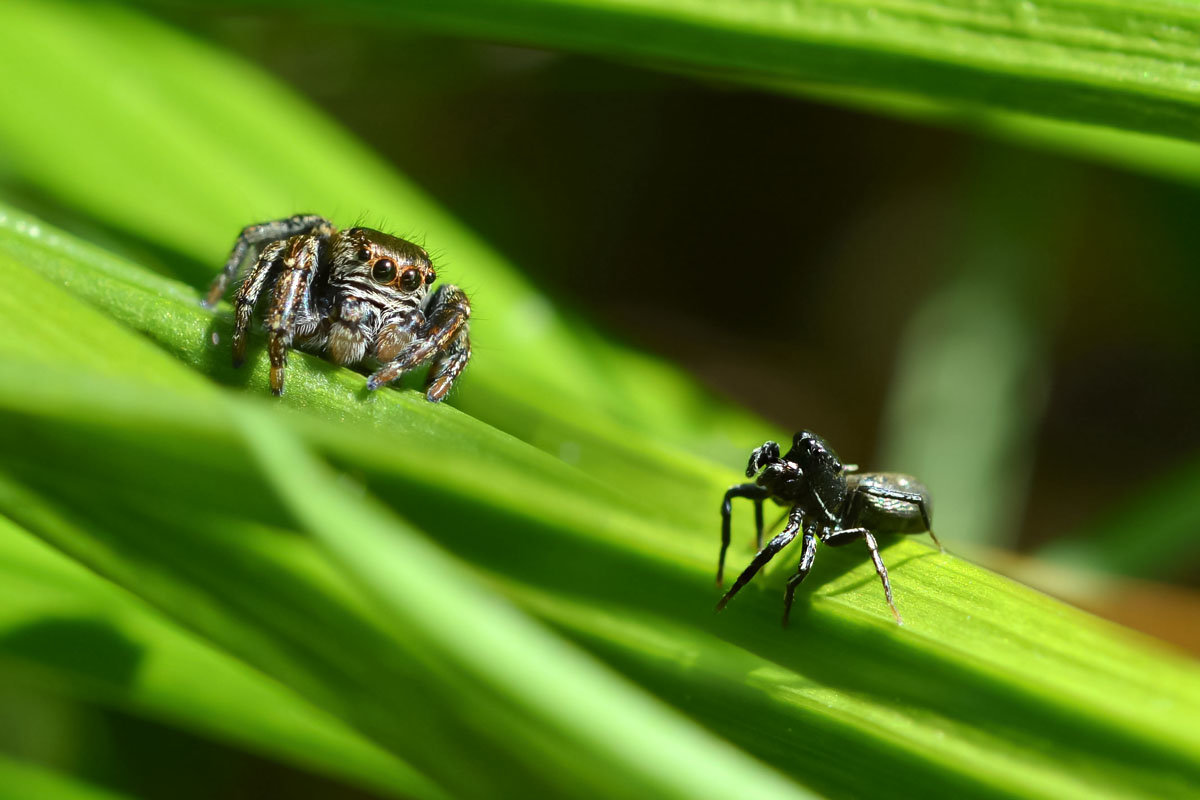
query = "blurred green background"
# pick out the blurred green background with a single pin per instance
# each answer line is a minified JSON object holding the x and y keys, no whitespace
{"x":1006,"y":310}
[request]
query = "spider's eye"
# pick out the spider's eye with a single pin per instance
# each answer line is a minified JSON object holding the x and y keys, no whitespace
{"x":430,"y":277}
{"x":410,"y":280}
{"x":364,"y":254}
{"x":384,"y":271}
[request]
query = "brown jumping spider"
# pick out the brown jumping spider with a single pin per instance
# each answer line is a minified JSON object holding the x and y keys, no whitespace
{"x":358,"y":295}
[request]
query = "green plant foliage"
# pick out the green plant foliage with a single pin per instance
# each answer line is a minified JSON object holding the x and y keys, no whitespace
{"x":20,"y":780}
{"x":1130,"y":65}
{"x":65,"y":629}
{"x":989,"y":687}
{"x":510,"y":597}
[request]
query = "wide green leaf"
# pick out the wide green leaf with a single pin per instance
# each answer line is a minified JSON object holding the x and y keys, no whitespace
{"x":1131,"y":64}
{"x":988,"y":689}
{"x":63,"y":628}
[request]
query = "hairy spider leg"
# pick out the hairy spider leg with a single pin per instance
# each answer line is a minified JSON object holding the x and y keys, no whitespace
{"x":247,"y":294}
{"x":845,"y":536}
{"x":447,"y":366}
{"x":807,"y":556}
{"x":766,"y":554}
{"x":910,"y":497}
{"x":396,"y":331}
{"x":447,"y":312}
{"x":252,"y":236}
{"x":292,"y":293}
{"x":750,"y":491}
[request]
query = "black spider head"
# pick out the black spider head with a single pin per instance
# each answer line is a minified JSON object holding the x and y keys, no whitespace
{"x":812,"y":454}
{"x":821,"y":466}
{"x":383,"y":262}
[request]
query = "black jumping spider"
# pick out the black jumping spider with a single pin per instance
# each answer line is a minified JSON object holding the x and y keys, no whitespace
{"x":830,"y":501}
{"x":357,"y":295}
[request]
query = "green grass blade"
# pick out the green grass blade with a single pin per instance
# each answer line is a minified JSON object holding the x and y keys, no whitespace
{"x":501,"y":652}
{"x":987,"y":686}
{"x":113,"y":516}
{"x":1131,"y":64}
{"x":248,"y":587}
{"x":988,"y":682}
{"x":63,"y":628}
{"x":648,"y":473}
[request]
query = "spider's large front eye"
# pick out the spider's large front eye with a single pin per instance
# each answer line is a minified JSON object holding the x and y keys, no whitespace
{"x":410,"y":280}
{"x":384,"y":271}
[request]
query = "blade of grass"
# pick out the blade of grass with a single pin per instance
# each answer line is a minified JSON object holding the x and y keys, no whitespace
{"x":987,"y":685}
{"x":235,"y":582}
{"x":647,"y":473}
{"x":984,"y":654}
{"x":144,"y":506}
{"x":501,"y":651}
{"x":1130,"y":65}
{"x":64,"y":628}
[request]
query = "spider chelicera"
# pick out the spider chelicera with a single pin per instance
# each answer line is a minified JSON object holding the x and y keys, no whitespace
{"x":358,"y":295}
{"x":829,"y":501}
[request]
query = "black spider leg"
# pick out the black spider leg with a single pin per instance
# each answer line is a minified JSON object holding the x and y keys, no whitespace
{"x":293,"y":293}
{"x":807,"y":556}
{"x":845,"y":536}
{"x":909,"y":497}
{"x":753,"y":492}
{"x":252,"y":236}
{"x":447,"y":312}
{"x":795,"y":516}
{"x":852,"y":531}
{"x":245,"y":298}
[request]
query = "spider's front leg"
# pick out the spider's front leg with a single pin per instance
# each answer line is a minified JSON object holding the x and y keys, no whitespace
{"x":253,"y":236}
{"x":445,"y":338}
{"x":749,"y":490}
{"x":292,"y":300}
{"x":782,"y":540}
{"x":247,"y":295}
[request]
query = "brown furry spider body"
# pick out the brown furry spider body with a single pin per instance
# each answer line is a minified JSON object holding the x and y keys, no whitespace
{"x":358,"y":296}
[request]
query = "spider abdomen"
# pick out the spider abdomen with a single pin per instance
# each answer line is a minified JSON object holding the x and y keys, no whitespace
{"x":886,"y":514}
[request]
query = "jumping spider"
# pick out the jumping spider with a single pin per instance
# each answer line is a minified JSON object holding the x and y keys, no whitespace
{"x":358,"y":295}
{"x":830,"y":501}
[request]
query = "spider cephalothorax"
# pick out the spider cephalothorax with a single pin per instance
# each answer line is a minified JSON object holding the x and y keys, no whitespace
{"x":359,"y":296}
{"x":830,"y":501}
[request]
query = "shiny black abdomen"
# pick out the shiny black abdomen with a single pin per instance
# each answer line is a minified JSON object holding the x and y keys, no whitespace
{"x":888,"y":515}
